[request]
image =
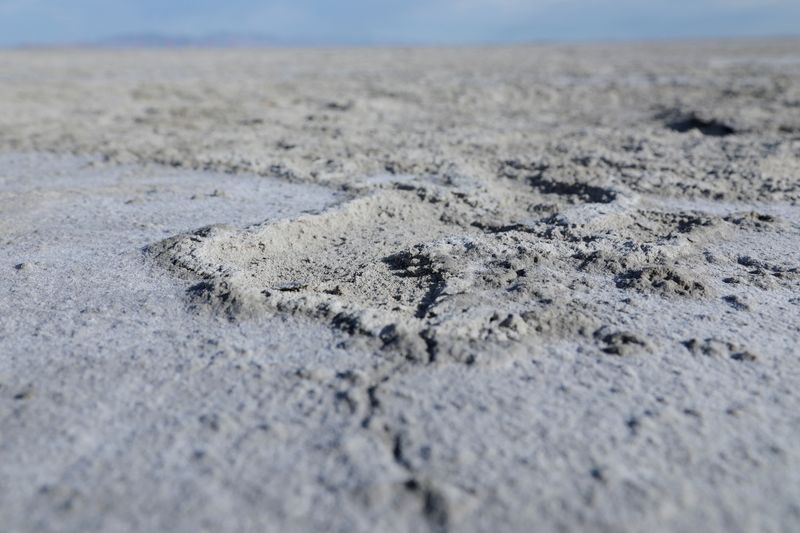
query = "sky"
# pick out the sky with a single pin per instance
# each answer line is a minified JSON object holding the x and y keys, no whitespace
{"x":394,"y":21}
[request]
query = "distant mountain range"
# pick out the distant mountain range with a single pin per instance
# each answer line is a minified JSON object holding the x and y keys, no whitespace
{"x":159,"y":40}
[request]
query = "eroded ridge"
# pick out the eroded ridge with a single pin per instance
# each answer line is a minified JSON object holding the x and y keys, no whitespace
{"x":443,"y":268}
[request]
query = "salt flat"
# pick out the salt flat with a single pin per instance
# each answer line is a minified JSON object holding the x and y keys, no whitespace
{"x":540,"y":287}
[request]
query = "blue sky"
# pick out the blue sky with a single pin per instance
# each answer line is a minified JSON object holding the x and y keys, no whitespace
{"x":395,"y":21}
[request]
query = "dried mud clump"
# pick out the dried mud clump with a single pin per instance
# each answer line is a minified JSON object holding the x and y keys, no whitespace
{"x":662,"y":280}
{"x":762,"y":274}
{"x":621,"y":343}
{"x":752,"y":220}
{"x":712,"y":347}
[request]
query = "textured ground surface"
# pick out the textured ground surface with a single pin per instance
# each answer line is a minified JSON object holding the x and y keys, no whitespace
{"x":482,"y":289}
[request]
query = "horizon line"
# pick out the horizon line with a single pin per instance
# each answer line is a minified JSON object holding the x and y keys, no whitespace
{"x":216,"y":41}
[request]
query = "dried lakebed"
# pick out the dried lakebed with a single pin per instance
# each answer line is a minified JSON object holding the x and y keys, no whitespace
{"x":401,"y":289}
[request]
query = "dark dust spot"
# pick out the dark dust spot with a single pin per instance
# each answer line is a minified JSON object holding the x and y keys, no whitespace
{"x":210,"y":421}
{"x":339,"y":106}
{"x":736,"y":302}
{"x":500,"y":228}
{"x":373,"y":405}
{"x":411,"y":485}
{"x":429,"y":300}
{"x":251,"y":121}
{"x":398,"y":452}
{"x":711,"y":128}
{"x":345,"y":322}
{"x":582,"y":191}
{"x":661,"y":279}
{"x":434,"y":504}
{"x":389,"y":335}
{"x":687,"y":223}
{"x":431,"y":345}
{"x":711,"y":347}
{"x":751,"y":219}
{"x":598,"y":474}
{"x":434,"y":508}
{"x":620,"y":342}
{"x":290,"y":286}
{"x":534,"y":174}
{"x":633,"y":424}
{"x":761,"y":267}
{"x":204,"y":287}
{"x":343,"y":396}
{"x":406,"y":264}
{"x":743,"y":356}
{"x":23,"y":394}
{"x":746,"y":260}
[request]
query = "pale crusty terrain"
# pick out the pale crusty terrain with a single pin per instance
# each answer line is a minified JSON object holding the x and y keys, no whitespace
{"x":537,"y":287}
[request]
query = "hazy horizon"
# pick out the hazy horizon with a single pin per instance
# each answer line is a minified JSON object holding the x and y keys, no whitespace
{"x":320,"y":22}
